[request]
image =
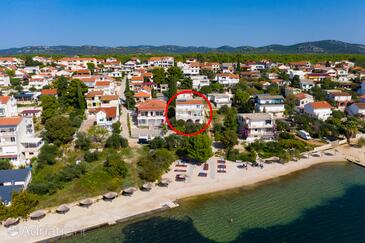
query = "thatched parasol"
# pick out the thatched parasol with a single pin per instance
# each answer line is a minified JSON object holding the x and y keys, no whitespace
{"x":110,"y":195}
{"x":11,"y":221}
{"x":147,"y":186}
{"x":37,"y":214}
{"x":86,"y":202}
{"x":129,"y":191}
{"x":63,"y":209}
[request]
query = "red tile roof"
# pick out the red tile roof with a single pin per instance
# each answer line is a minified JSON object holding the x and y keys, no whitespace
{"x":102,"y":83}
{"x":110,"y":112}
{"x":137,"y":78}
{"x":189,"y":102}
{"x":94,"y":93}
{"x":49,"y":91}
{"x":152,"y":105}
{"x":4,"y":99}
{"x":142,"y":94}
{"x":10,"y":121}
{"x":109,"y":97}
{"x":321,"y":105}
{"x":300,"y":96}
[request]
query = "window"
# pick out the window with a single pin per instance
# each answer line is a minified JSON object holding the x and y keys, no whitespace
{"x":12,"y":139}
{"x":268,"y":122}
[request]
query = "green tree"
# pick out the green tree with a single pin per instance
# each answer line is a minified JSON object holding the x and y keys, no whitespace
{"x":76,"y":94}
{"x":230,"y":119}
{"x":50,"y":107}
{"x":240,"y":97}
{"x":350,"y":129}
{"x":98,"y":134}
{"x":157,"y":142}
{"x":229,"y":138}
{"x":82,"y":141}
{"x":175,"y":72}
{"x":186,"y":83}
{"x":159,"y":75}
{"x":116,"y":141}
{"x":5,"y":165}
{"x":22,"y":203}
{"x":199,"y":147}
{"x":207,"y":72}
{"x":91,"y":67}
{"x":59,"y":130}
{"x":155,"y":164}
{"x":115,"y":165}
{"x":10,"y":72}
{"x":47,"y":155}
{"x":61,"y":84}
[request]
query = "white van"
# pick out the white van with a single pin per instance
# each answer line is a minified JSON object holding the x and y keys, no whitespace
{"x":303,"y":134}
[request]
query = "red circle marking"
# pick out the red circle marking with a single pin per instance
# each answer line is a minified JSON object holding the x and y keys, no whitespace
{"x":194,"y":133}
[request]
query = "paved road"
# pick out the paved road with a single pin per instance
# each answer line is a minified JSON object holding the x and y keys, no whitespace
{"x":124,"y":116}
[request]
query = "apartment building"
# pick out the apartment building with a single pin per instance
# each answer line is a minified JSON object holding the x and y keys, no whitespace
{"x":270,"y":103}
{"x":256,"y":126}
{"x":151,"y":113}
{"x":190,"y":110}
{"x":8,"y":106}
{"x":163,"y":62}
{"x":320,"y":110}
{"x":17,"y":140}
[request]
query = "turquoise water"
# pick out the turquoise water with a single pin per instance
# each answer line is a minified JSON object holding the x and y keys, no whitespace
{"x":325,"y":203}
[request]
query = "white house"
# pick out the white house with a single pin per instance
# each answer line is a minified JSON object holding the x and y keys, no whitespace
{"x":200,"y":81}
{"x":106,"y":116}
{"x":192,"y":68}
{"x":340,"y":98}
{"x":320,"y":110}
{"x":8,"y":106}
{"x":151,"y":113}
{"x":307,"y":84}
{"x":17,"y":141}
{"x":10,"y":61}
{"x":256,"y":126}
{"x":76,"y":61}
{"x":164,"y":62}
{"x":299,"y":73}
{"x":4,"y":80}
{"x":220,"y":100}
{"x":301,"y":100}
{"x":190,"y":110}
{"x":342,"y":75}
{"x":270,"y":103}
{"x":227,"y":79}
{"x":356,"y":109}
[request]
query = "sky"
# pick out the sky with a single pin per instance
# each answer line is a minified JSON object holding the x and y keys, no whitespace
{"x":211,"y":23}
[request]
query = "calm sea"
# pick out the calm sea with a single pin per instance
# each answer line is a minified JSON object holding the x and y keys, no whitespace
{"x":325,"y":203}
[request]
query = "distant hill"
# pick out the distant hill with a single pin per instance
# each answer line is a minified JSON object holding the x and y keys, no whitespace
{"x":316,"y":47}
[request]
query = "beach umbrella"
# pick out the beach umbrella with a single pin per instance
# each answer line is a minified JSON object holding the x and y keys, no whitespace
{"x":129,"y":191}
{"x":11,"y":221}
{"x":147,"y":186}
{"x":164,"y":182}
{"x":62,"y":209}
{"x":86,"y":202}
{"x":110,"y":195}
{"x":37,"y":214}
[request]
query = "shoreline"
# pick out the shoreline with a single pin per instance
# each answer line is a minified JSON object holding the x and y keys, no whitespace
{"x":180,"y":200}
{"x":122,"y":209}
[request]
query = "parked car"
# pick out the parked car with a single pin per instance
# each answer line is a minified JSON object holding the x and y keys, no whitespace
{"x":303,"y":134}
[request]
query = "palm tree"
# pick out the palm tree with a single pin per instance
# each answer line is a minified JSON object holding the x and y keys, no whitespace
{"x":350,"y":130}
